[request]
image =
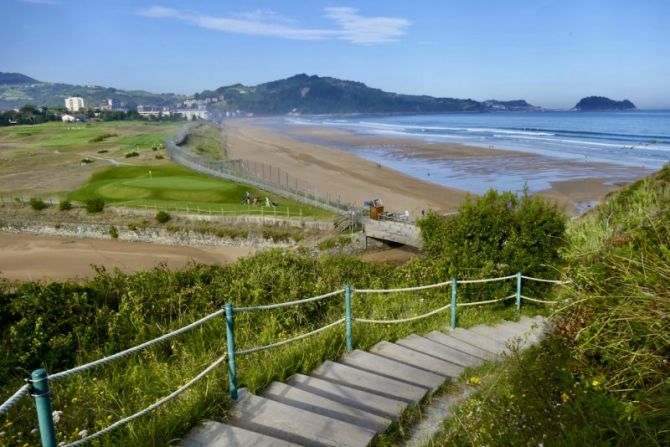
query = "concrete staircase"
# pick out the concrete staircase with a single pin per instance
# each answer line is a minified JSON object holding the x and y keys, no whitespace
{"x":347,"y":403}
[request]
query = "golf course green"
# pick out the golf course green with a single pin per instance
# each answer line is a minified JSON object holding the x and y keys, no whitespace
{"x":174,"y":188}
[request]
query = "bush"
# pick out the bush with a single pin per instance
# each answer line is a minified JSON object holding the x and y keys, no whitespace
{"x":163,"y":217}
{"x":65,"y":205}
{"x":86,"y":161}
{"x":37,"y":204}
{"x":113,"y":232}
{"x":497,"y":234}
{"x":95,"y":205}
{"x":132,"y":154}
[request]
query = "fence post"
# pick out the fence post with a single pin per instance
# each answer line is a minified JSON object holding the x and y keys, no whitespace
{"x":40,"y":382}
{"x":518,"y":293}
{"x":347,"y":315}
{"x":230,"y":338}
{"x":453,"y":302}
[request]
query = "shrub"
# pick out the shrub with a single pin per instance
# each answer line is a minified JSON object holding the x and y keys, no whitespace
{"x":37,"y":204}
{"x":163,"y":217}
{"x":497,"y":234}
{"x":95,"y":205}
{"x":132,"y":227}
{"x":132,"y":154}
{"x":113,"y":232}
{"x":86,"y":161}
{"x":65,"y":205}
{"x":159,"y":157}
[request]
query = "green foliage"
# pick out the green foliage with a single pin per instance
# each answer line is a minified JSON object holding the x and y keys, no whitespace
{"x":131,"y":154}
{"x":65,"y":205}
{"x":95,"y":205}
{"x":37,"y":204}
{"x":497,"y":234}
{"x":57,"y":325}
{"x":601,"y":377}
{"x":163,"y":217}
{"x":113,"y":232}
{"x":102,"y":137}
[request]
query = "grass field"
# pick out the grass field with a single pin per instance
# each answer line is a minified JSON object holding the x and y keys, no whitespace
{"x":172,"y":187}
{"x":52,"y":159}
{"x":206,"y":140}
{"x":83,"y":135}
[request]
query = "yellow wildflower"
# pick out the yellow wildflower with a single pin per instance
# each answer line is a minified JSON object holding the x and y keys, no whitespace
{"x":474,"y":380}
{"x":595,"y":383}
{"x":565,"y":397}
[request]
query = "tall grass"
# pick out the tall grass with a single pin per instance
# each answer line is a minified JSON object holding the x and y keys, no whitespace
{"x":58,"y":325}
{"x":602,"y":377}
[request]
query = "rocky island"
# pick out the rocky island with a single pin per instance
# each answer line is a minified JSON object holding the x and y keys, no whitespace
{"x":600,"y":103}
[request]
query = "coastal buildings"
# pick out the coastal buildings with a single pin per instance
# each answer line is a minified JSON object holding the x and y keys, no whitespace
{"x":149,"y":111}
{"x":75,"y":103}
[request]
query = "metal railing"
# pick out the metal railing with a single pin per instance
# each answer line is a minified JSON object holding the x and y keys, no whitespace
{"x":38,"y":384}
{"x":261,"y":175}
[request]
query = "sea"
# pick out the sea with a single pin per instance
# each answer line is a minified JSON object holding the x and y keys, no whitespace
{"x":617,"y":146}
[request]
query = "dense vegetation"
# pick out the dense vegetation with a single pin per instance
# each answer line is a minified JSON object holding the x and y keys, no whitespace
{"x":601,"y":377}
{"x":61,"y":324}
{"x":314,"y":94}
{"x":595,"y":103}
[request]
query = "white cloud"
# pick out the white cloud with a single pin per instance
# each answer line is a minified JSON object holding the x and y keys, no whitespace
{"x":349,"y":24}
{"x":42,"y":2}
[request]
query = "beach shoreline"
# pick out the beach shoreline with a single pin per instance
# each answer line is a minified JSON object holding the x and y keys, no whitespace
{"x":337,"y":161}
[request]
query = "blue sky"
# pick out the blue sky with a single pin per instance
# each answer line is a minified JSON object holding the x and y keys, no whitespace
{"x":548,"y":52}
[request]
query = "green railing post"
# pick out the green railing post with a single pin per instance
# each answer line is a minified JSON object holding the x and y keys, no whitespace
{"x":453,"y":302}
{"x":347,"y":315}
{"x":518,"y":293}
{"x":230,"y":338}
{"x":45,"y":422}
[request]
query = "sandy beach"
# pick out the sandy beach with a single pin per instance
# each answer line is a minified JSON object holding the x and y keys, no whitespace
{"x":342,"y":173}
{"x":28,"y":257}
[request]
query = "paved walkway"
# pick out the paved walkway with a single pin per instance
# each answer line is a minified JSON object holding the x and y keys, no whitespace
{"x":347,"y":403}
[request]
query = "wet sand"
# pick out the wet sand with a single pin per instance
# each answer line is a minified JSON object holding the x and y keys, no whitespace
{"x":338,"y":173}
{"x":29,"y":257}
{"x":318,"y":155}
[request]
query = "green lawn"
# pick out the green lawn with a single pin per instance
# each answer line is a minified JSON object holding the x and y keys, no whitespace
{"x":77,"y":135}
{"x":175,"y":188}
{"x":206,"y":139}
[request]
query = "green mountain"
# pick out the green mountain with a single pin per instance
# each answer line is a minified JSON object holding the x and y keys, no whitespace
{"x":16,"y":78}
{"x":17,"y":90}
{"x":298,"y":94}
{"x":321,"y":95}
{"x":594,"y":103}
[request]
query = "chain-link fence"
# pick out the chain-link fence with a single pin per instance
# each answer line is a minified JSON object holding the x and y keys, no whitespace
{"x":265,"y":176}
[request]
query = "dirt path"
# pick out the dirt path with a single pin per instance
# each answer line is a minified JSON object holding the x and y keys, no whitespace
{"x":26,"y":257}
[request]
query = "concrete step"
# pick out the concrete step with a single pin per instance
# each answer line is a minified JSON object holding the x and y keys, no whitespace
{"x":499,"y":336}
{"x":364,"y":400}
{"x":478,"y":340}
{"x":462,"y":346}
{"x":367,"y":381}
{"x":216,"y":434}
{"x":393,"y":369}
{"x":418,"y":359}
{"x":435,"y":349}
{"x":314,"y":403}
{"x":295,"y":425}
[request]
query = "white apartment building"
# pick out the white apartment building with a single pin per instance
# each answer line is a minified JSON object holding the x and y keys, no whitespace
{"x":75,"y":103}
